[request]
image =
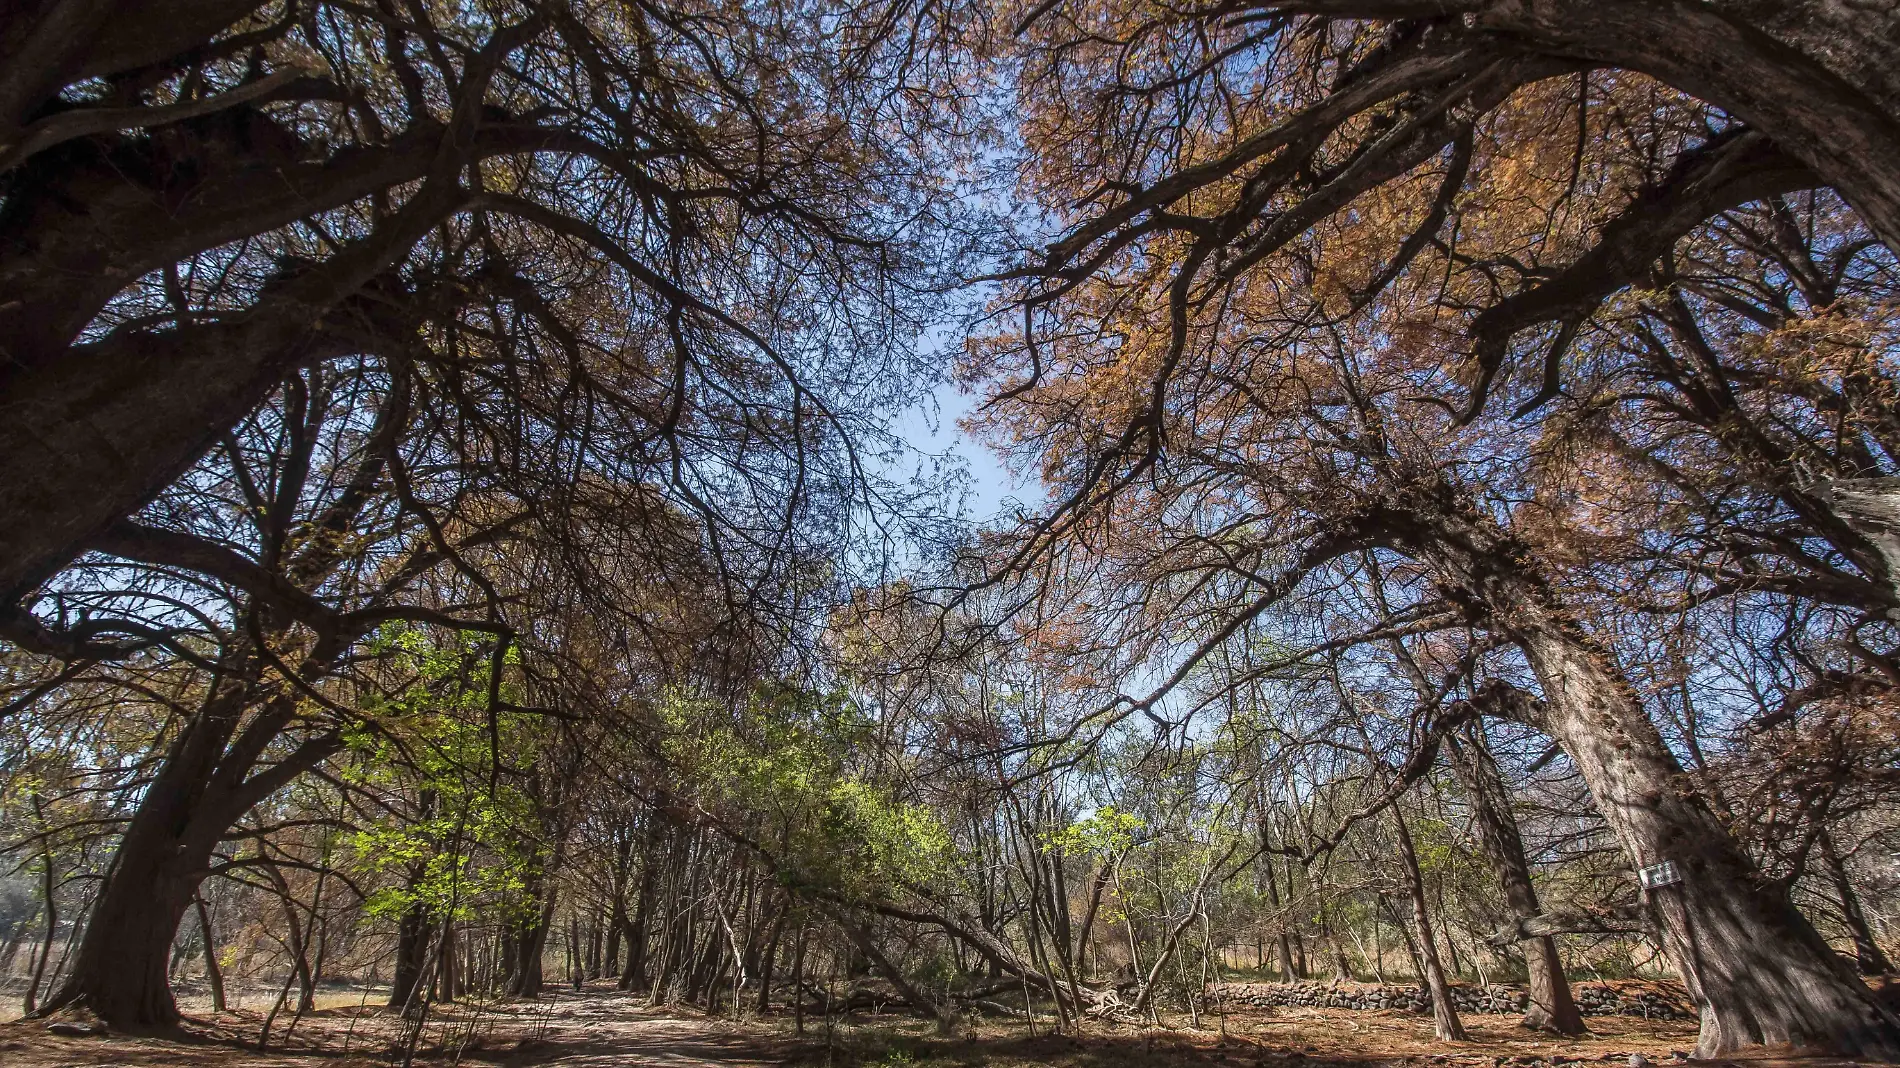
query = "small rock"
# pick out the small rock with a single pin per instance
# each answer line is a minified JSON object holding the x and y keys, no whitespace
{"x":1637,"y":1060}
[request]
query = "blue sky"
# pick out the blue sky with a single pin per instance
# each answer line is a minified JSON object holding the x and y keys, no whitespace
{"x":929,"y":426}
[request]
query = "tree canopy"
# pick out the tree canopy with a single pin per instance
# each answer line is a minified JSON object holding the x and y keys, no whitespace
{"x":456,"y":505}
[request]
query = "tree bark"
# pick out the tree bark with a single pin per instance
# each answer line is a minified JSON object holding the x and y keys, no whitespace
{"x":1551,"y":1006}
{"x":200,"y":790}
{"x":1758,"y":971}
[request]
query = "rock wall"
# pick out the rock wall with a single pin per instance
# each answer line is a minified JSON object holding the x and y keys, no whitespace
{"x":1655,"y":1001}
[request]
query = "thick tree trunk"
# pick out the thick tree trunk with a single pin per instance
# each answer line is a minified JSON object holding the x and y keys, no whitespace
{"x":1757,"y":969}
{"x":119,"y":972}
{"x":1816,"y":76}
{"x":200,"y":790}
{"x":1551,"y":1006}
{"x":1445,"y":1022}
{"x":164,"y":854}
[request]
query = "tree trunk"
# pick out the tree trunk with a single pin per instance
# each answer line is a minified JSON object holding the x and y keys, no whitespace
{"x":1816,"y":76}
{"x":529,"y":944}
{"x":1759,"y":972}
{"x":209,"y":778}
{"x":634,"y":977}
{"x":214,"y":974}
{"x":1283,"y":944}
{"x":164,"y":854}
{"x":1551,"y":1006}
{"x":1342,"y":968}
{"x":920,"y":1002}
{"x":449,"y":975}
{"x":1097,"y":887}
{"x":768,"y":959}
{"x":299,"y":943}
{"x":1867,"y":952}
{"x":48,"y":893}
{"x":1445,"y":1022}
{"x":413,"y":931}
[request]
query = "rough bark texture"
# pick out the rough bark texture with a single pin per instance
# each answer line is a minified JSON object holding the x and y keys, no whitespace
{"x":1871,"y":507}
{"x":1758,"y":971}
{"x":1551,"y":1006}
{"x":209,"y":778}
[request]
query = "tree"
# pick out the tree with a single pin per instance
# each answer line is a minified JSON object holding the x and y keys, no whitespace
{"x":1245,"y":362}
{"x":202,"y":197}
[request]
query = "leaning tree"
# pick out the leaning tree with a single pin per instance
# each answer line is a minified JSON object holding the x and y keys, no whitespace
{"x":1297,"y":250}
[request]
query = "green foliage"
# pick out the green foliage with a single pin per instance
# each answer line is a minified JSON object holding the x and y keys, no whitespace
{"x":782,"y":764}
{"x":1106,"y":832}
{"x":469,"y":841}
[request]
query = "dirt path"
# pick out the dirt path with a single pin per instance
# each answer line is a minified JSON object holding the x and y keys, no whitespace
{"x":593,"y":1029}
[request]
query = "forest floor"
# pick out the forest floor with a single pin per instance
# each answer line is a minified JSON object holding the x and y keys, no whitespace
{"x":598,"y":1028}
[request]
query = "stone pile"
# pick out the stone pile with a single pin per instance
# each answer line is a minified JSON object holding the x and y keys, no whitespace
{"x":1651,"y":1001}
{"x":1648,"y":1000}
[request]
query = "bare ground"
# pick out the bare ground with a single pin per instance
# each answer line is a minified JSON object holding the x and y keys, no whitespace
{"x":585,"y":1030}
{"x":596,"y":1029}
